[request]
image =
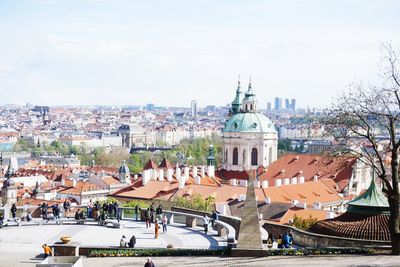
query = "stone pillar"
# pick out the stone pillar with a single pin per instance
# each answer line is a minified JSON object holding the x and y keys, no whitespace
{"x":190,"y":221}
{"x":249,"y":232}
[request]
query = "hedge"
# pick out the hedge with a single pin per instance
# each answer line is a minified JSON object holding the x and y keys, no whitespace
{"x":142,"y":252}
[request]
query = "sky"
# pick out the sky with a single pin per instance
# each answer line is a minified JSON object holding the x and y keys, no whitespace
{"x":128,"y":52}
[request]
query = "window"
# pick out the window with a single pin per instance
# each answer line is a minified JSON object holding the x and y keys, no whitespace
{"x":235,"y":156}
{"x":254,"y":157}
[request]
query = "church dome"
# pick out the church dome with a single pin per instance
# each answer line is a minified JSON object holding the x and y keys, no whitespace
{"x":123,"y":169}
{"x":253,"y":122}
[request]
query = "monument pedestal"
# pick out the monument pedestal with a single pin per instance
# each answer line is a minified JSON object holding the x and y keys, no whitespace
{"x":70,"y":249}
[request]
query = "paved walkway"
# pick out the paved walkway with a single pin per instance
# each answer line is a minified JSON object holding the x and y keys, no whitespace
{"x":20,"y":245}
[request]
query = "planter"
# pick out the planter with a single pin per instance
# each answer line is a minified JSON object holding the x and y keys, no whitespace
{"x":65,"y":239}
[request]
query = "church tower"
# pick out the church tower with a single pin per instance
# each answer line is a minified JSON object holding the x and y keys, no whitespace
{"x":124,"y":174}
{"x":237,"y":102}
{"x":9,"y":189}
{"x":250,"y":139}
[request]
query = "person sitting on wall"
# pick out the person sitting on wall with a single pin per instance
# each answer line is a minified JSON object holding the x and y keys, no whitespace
{"x":132,"y":242}
{"x":123,"y":242}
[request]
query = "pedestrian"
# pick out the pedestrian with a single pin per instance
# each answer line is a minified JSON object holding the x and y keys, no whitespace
{"x":90,"y":209}
{"x":206,"y":221}
{"x":44,"y":208}
{"x":123,"y":242}
{"x":136,"y":212}
{"x":152,"y":212}
{"x":148,"y":218}
{"x":66,"y":206}
{"x":164,"y":224}
{"x":214,"y":217}
{"x":47,"y":250}
{"x":29,"y":217}
{"x":159,"y":212}
{"x":14,"y":212}
{"x":116,"y":210}
{"x":149,"y":263}
{"x":156,"y":227}
{"x":280,"y":241}
{"x":132,"y":242}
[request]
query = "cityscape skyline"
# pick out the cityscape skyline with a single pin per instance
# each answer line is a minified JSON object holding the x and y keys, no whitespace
{"x":129,"y":53}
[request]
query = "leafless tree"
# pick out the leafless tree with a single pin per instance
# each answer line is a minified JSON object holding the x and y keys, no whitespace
{"x":367,"y":120}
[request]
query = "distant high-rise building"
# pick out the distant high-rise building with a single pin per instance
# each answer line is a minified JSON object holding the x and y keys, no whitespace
{"x":287,"y":103}
{"x":150,"y":107}
{"x":293,"y":104}
{"x":278,"y":103}
{"x":194,"y":108}
{"x":269,"y":106}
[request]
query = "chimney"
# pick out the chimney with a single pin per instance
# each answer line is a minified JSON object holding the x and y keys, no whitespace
{"x":197,"y":179}
{"x":301,"y":205}
{"x":257,"y":184}
{"x":146,"y":176}
{"x":211,"y":171}
{"x":286,"y":181}
{"x":317,"y":205}
{"x":62,"y":182}
{"x":186,"y":172}
{"x":170,"y":173}
{"x":243,"y":183}
{"x":264,"y":184}
{"x":293,"y":180}
{"x":241,"y":197}
{"x":194,"y":171}
{"x":267,"y":200}
{"x":135,"y":177}
{"x":74,"y":183}
{"x":181,"y":181}
{"x":233,"y":182}
{"x":295,"y":202}
{"x":278,"y":182}
{"x":203,"y":171}
{"x":161,"y":174}
{"x":178,"y":173}
{"x":301,"y":180}
{"x":315,"y":178}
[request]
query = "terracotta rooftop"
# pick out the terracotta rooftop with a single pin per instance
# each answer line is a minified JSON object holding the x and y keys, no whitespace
{"x":355,"y":225}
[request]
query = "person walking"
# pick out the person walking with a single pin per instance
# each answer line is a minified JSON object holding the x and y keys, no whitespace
{"x":14,"y":212}
{"x":206,"y":221}
{"x":152,"y":212}
{"x":164,"y":224}
{"x":47,"y":250}
{"x":156,"y":227}
{"x":149,"y":263}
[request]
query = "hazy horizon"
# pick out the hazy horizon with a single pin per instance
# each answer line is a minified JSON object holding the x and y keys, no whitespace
{"x":119,"y":52}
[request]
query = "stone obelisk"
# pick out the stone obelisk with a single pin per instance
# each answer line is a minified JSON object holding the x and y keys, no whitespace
{"x":249,"y":232}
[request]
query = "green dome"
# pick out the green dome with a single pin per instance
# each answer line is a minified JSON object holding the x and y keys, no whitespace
{"x":249,"y":122}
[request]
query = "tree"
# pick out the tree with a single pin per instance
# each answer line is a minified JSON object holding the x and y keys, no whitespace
{"x":367,"y":120}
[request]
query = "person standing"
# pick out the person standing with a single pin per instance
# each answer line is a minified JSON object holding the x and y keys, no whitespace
{"x":206,"y":221}
{"x":14,"y":212}
{"x":136,"y":212}
{"x":47,"y":250}
{"x":156,"y":227}
{"x":159,"y":212}
{"x":152,"y":212}
{"x":164,"y":224}
{"x":214,"y":217}
{"x":148,"y":218}
{"x":90,"y":209}
{"x":44,"y":208}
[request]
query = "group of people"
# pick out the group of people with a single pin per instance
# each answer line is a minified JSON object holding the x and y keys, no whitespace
{"x":284,"y":241}
{"x":124,"y":243}
{"x":207,"y":220}
{"x":55,"y":211}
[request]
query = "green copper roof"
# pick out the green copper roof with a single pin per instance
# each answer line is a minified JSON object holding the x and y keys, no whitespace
{"x":372,"y":201}
{"x":249,"y":122}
